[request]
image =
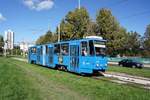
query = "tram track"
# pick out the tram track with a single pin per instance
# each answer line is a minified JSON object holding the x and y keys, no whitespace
{"x":123,"y":78}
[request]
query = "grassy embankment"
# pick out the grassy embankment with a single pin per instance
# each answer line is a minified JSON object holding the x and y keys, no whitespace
{"x":22,"y":81}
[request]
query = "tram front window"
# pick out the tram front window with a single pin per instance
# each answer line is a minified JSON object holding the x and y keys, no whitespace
{"x":100,"y":51}
{"x":100,"y":48}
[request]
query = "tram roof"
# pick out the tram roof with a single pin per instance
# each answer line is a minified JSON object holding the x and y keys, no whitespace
{"x":79,"y":40}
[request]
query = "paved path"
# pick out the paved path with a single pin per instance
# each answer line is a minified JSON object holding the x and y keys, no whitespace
{"x":129,"y":78}
{"x":20,"y":59}
{"x":123,"y":78}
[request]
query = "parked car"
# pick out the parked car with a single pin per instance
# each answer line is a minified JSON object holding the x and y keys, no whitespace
{"x":130,"y":63}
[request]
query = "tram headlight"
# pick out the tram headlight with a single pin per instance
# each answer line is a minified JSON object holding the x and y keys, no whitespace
{"x":97,"y":65}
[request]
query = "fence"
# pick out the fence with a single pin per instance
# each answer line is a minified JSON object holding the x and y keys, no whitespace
{"x":140,"y":59}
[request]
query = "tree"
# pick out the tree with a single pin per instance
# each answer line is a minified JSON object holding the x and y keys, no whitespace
{"x":65,"y":30}
{"x":147,"y":44}
{"x":47,"y":38}
{"x":40,"y":40}
{"x":110,"y":30}
{"x":147,"y":33}
{"x":1,"y":44}
{"x":107,"y":23}
{"x":92,"y":28}
{"x":75,"y":24}
{"x":1,"y":41}
{"x":146,"y":41}
{"x":132,"y":45}
{"x":147,"y":38}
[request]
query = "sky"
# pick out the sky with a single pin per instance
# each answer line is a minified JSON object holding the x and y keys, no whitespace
{"x":30,"y":19}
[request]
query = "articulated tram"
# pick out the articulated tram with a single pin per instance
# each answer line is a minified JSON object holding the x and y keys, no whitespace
{"x":84,"y":56}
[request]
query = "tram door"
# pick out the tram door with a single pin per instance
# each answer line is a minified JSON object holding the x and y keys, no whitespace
{"x":38,"y":55}
{"x":74,"y":58}
{"x":51,"y":55}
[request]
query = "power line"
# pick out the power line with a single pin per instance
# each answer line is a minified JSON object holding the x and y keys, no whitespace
{"x":136,"y":14}
{"x":122,"y":1}
{"x":35,"y":31}
{"x":118,"y":3}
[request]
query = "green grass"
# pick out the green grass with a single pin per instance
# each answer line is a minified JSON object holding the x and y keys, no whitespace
{"x":22,"y":81}
{"x":132,"y":71}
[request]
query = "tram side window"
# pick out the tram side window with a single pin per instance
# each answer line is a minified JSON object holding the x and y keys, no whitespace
{"x":33,"y":50}
{"x":57,"y":49}
{"x":91,"y":46}
{"x":74,"y":50}
{"x":84,"y":48}
{"x":65,"y":49}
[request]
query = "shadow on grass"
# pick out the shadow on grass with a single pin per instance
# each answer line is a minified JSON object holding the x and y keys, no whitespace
{"x":82,"y":74}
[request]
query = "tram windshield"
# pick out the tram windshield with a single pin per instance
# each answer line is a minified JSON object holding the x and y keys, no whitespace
{"x":100,"y":48}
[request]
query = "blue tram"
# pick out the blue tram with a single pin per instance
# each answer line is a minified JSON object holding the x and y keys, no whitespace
{"x":84,"y":56}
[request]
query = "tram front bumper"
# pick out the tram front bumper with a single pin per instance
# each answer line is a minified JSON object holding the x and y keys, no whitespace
{"x":100,"y":67}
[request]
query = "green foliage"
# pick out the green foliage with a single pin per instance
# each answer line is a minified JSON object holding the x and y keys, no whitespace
{"x":49,"y":37}
{"x":147,"y":38}
{"x":65,"y":30}
{"x":147,"y":33}
{"x":92,"y":28}
{"x":40,"y":40}
{"x":146,"y":47}
{"x":107,"y":23}
{"x":146,"y":42}
{"x":132,"y":44}
{"x":16,"y":50}
{"x":75,"y":24}
{"x":1,"y":41}
{"x":110,"y":29}
{"x":1,"y":44}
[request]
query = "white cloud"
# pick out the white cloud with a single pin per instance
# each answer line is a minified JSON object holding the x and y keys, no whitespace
{"x":2,"y":18}
{"x":29,"y":3}
{"x":39,"y":5}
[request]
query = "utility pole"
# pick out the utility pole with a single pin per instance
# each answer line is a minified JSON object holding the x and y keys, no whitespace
{"x":79,"y":4}
{"x":59,"y":33}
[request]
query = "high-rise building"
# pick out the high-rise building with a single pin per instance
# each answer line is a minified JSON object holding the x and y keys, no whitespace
{"x":9,"y":39}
